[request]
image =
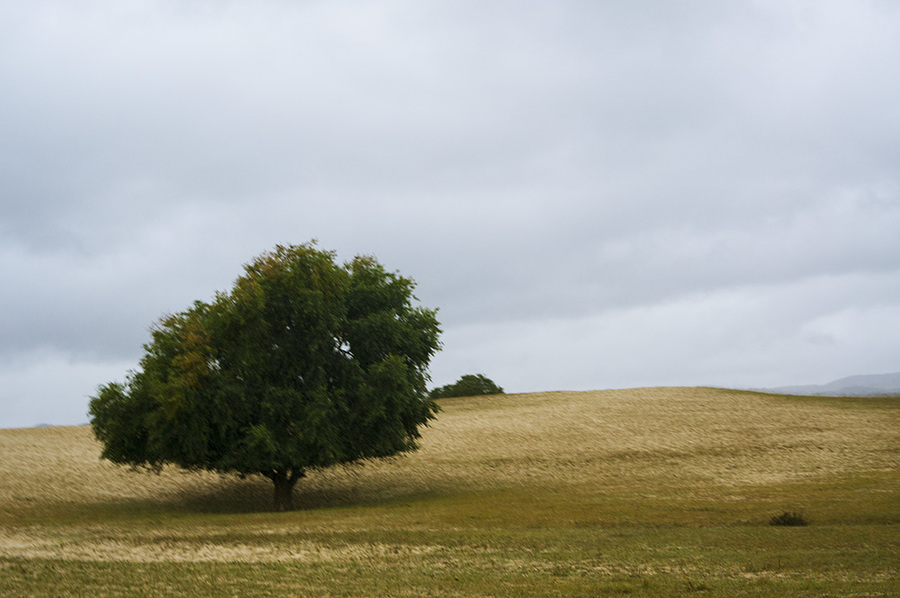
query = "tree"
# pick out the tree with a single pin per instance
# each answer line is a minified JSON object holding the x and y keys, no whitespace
{"x":304,"y":364}
{"x":467,"y":386}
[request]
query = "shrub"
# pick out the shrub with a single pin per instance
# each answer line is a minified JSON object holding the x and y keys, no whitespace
{"x":468,"y":386}
{"x":789,"y":519}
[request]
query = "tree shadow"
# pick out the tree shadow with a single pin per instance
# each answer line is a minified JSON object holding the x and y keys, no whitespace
{"x":340,"y":487}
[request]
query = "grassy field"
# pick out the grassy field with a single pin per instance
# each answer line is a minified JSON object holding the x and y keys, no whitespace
{"x":644,"y":492}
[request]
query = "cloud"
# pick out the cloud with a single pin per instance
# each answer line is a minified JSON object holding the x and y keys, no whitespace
{"x":738,"y":336}
{"x":592,"y":194}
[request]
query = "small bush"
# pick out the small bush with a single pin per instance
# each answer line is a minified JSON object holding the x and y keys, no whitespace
{"x":789,"y":519}
{"x":467,"y":386}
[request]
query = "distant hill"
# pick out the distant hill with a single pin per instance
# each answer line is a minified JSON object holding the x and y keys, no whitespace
{"x":852,"y":386}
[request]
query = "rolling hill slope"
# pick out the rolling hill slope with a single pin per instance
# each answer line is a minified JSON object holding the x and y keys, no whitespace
{"x":645,"y":492}
{"x":589,"y":440}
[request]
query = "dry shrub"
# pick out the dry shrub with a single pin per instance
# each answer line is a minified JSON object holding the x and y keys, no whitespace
{"x":789,"y":519}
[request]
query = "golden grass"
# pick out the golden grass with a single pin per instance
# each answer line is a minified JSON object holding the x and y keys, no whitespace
{"x":670,"y":434}
{"x":639,"y":438}
{"x":571,"y":451}
{"x":47,"y":467}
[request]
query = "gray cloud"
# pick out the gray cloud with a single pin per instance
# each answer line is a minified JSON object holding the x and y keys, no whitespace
{"x":594,"y":195}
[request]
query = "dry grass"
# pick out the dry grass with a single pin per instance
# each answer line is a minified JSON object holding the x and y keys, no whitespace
{"x":512,"y":485}
{"x":718,"y":436}
{"x":52,"y":467}
{"x":660,"y":436}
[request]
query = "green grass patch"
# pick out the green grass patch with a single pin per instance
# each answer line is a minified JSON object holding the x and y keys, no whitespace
{"x":640,"y":561}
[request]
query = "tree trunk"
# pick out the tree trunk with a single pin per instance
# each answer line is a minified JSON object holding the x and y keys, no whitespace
{"x":284,"y":488}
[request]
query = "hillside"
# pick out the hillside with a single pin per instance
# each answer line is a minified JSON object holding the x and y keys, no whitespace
{"x":589,"y":439}
{"x":519,"y":476}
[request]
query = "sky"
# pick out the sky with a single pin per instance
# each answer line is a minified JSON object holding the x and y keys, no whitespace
{"x":593,"y":194}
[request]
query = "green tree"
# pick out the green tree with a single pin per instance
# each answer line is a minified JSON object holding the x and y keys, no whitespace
{"x":468,"y":386}
{"x":304,"y":364}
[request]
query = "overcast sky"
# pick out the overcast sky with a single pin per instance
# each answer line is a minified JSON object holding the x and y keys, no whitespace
{"x":594,"y":194}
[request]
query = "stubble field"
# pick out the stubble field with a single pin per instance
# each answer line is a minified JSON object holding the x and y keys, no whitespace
{"x":643,"y":492}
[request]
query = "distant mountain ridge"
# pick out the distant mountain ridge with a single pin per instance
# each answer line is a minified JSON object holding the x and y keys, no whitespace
{"x":851,"y":386}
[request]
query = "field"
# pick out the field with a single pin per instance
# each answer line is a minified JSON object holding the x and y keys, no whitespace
{"x":644,"y":492}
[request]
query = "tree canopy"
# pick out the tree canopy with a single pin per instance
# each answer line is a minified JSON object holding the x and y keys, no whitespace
{"x":469,"y":385}
{"x":303,"y":364}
